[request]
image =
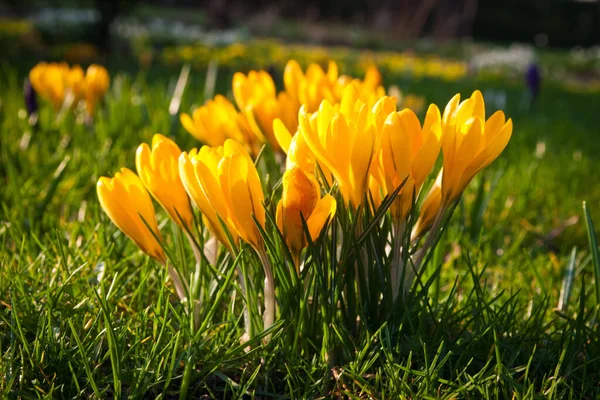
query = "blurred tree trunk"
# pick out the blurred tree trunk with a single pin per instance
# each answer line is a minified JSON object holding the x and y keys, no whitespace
{"x":454,"y":19}
{"x":219,"y":13}
{"x":108,"y":12}
{"x":410,"y":17}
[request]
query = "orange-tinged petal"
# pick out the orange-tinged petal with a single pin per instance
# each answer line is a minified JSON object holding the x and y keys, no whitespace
{"x":300,"y":196}
{"x":324,"y":210}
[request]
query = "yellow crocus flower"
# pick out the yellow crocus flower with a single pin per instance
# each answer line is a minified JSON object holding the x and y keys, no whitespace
{"x":260,"y":115}
{"x":242,"y":192}
{"x":469,"y":142}
{"x":75,"y":82}
{"x":125,"y":200}
{"x":293,"y":78}
{"x":206,"y":169}
{"x":96,"y":85}
{"x":335,"y":142}
{"x":409,"y":152}
{"x":301,"y":199}
{"x":159,"y":171}
{"x":344,"y":141}
{"x":251,"y":88}
{"x":50,"y":81}
{"x":369,"y":88}
{"x":256,"y":98}
{"x":314,"y":86}
{"x":58,"y":82}
{"x":232,"y":186}
{"x":215,"y":122}
{"x":230,"y":182}
{"x":196,"y":193}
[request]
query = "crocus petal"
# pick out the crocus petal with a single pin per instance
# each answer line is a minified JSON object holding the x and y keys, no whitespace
{"x":282,"y":135}
{"x":324,"y":210}
{"x":127,"y":203}
{"x":489,"y":153}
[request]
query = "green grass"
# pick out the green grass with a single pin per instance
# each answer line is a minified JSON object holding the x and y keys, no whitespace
{"x":84,"y":314}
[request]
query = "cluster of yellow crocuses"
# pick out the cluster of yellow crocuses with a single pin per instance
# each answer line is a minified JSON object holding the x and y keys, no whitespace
{"x":345,"y":142}
{"x":63,"y":85}
{"x":259,"y":104}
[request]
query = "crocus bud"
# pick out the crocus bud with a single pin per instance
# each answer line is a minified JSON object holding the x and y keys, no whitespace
{"x":302,"y":200}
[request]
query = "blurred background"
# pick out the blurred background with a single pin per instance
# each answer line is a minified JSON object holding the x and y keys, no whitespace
{"x":484,"y":36}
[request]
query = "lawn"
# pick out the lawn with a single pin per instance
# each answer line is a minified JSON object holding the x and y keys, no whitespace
{"x":507,"y":307}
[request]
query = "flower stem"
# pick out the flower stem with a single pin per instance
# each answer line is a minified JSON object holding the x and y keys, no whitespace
{"x":397,"y":268}
{"x":197,"y":287}
{"x":247,"y":321}
{"x":432,"y":238}
{"x":181,"y":287}
{"x":269,"y":292}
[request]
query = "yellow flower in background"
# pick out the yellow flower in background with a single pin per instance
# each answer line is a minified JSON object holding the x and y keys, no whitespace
{"x":158,"y":168}
{"x":61,"y":84}
{"x":192,"y":186}
{"x":288,"y":111}
{"x":429,"y":209}
{"x":217,"y":121}
{"x":96,"y":85}
{"x":409,"y":151}
{"x":293,"y":78}
{"x":257,"y":100}
{"x":75,"y":82}
{"x":252,"y":88}
{"x":311,"y":88}
{"x":125,"y":200}
{"x":314,"y":86}
{"x":370,"y":88}
{"x":260,"y":116}
{"x":49,"y":80}
{"x":301,"y":199}
{"x":469,"y":142}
